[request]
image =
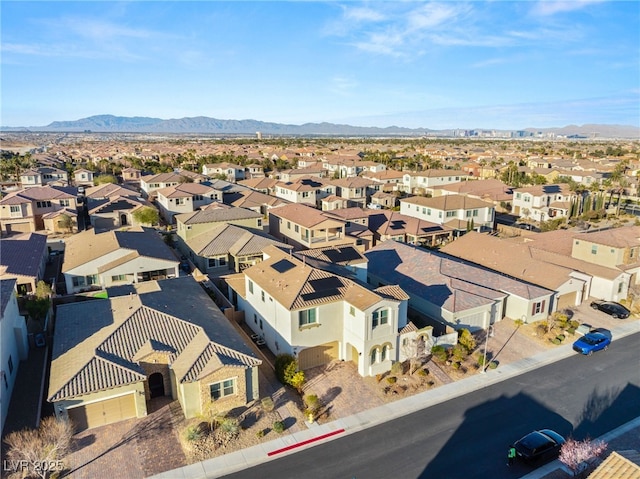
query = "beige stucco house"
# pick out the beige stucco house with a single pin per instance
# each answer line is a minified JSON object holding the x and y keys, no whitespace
{"x":112,"y":356}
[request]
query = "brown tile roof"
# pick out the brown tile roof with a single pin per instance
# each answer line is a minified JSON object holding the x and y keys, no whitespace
{"x":447,"y":202}
{"x":622,"y":237}
{"x":436,"y":173}
{"x":36,"y":193}
{"x":228,"y":238}
{"x":216,"y":214}
{"x":619,"y":465}
{"x":304,"y":215}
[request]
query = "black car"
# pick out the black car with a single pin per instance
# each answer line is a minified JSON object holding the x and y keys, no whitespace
{"x":612,"y":308}
{"x":537,"y":446}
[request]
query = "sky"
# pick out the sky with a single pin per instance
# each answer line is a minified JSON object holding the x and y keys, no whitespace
{"x":417,"y":64}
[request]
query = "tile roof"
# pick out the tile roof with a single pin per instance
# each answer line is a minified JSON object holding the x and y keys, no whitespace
{"x":303,"y":215}
{"x":227,"y":238}
{"x":108,"y":190}
{"x":89,"y":245}
{"x":217,"y":213}
{"x":37,"y":193}
{"x":98,"y":344}
{"x":7,"y":287}
{"x":622,"y":237}
{"x":447,"y":202}
{"x":436,"y":173}
{"x":442,"y":280}
{"x":184,"y":190}
{"x":297,"y":285}
{"x":619,"y":465}
{"x":252,"y":199}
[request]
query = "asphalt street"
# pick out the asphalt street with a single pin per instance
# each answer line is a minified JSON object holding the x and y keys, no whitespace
{"x":468,"y":437}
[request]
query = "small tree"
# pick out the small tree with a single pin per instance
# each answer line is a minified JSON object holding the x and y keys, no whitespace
{"x":35,"y":448}
{"x":38,"y":307}
{"x":146,"y":215}
{"x":574,"y":453}
{"x":466,"y":340}
{"x":66,"y":222}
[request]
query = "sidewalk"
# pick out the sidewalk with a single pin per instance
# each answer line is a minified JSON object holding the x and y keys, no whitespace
{"x":298,"y":440}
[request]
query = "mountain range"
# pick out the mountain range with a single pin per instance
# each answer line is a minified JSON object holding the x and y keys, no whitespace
{"x":203,"y":124}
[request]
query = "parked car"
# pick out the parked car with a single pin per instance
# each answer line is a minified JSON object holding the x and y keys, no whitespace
{"x":537,"y":446}
{"x":612,"y":308}
{"x":591,"y":342}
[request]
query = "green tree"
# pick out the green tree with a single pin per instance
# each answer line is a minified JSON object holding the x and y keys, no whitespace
{"x":466,"y":340}
{"x":102,"y":179}
{"x":147,"y":215}
{"x":66,"y":222}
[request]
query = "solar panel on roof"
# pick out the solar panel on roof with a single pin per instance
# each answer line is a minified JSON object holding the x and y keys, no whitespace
{"x":283,"y":265}
{"x":324,"y":284}
{"x":340,"y":255}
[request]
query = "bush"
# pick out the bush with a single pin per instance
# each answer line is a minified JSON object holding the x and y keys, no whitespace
{"x":391,"y":379}
{"x":422,"y":372}
{"x":260,"y":433}
{"x":287,"y":372}
{"x":439,"y":353}
{"x":493,"y":365}
{"x":193,"y":433}
{"x":229,"y":426}
{"x":278,"y":426}
{"x":397,"y":368}
{"x":455,"y":365}
{"x":459,"y":352}
{"x":561,"y":337}
{"x":571,"y":331}
{"x":313,"y":404}
{"x":556,"y":341}
{"x":574,"y":324}
{"x":481,"y":360}
{"x":466,"y":340}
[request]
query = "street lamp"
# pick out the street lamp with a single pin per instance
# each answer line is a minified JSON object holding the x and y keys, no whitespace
{"x":486,"y":343}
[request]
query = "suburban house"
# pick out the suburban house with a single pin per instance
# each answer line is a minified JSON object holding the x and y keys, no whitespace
{"x":108,"y":190}
{"x":381,"y":199}
{"x":342,"y":260}
{"x":231,"y":172}
{"x":226,"y":247}
{"x":201,"y":221}
{"x":184,"y":198}
{"x":319,"y":316}
{"x":417,"y":182}
{"x":543,"y":202}
{"x":490,"y":190}
{"x":254,"y":170}
{"x":355,"y":190}
{"x":391,"y":225}
{"x":445,"y":291}
{"x":390,"y":179}
{"x":297,"y":173}
{"x":24,"y":258}
{"x":14,"y":345}
{"x":111,"y":357}
{"x":101,"y":260}
{"x":308,"y":190}
{"x":461,"y":213}
{"x":333,"y":202}
{"x":253,"y":200}
{"x":306,"y":227}
{"x":44,"y":175}
{"x":525,"y":262}
{"x":131,"y":176}
{"x":83,"y":177}
{"x":263,"y":185}
{"x":114,"y":212}
{"x":150,"y":183}
{"x":23,"y":211}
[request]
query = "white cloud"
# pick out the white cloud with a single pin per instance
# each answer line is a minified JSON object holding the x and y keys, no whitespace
{"x":552,"y":7}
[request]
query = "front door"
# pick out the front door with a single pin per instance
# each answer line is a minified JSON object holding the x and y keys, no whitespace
{"x":156,"y":385}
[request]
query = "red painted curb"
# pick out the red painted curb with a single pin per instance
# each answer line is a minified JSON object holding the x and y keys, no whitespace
{"x":303,"y":443}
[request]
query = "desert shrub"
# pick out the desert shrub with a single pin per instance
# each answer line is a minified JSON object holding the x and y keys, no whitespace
{"x":378,"y":377}
{"x":193,"y":433}
{"x":481,"y":360}
{"x":493,"y":365}
{"x":556,"y":341}
{"x":260,"y":433}
{"x":278,"y":426}
{"x":281,"y":363}
{"x":574,"y":324}
{"x":439,"y":353}
{"x":459,"y":352}
{"x":313,"y":405}
{"x":229,"y":426}
{"x":392,"y":379}
{"x":455,"y":365}
{"x":422,"y":372}
{"x":466,"y":340}
{"x":571,"y":331}
{"x":561,"y":337}
{"x":397,"y":368}
{"x":431,"y":383}
{"x":267,"y":404}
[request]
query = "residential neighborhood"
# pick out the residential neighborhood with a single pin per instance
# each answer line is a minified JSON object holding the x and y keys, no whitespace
{"x":137,"y":285}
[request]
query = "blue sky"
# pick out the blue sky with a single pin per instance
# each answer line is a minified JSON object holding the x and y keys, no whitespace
{"x":435,"y":65}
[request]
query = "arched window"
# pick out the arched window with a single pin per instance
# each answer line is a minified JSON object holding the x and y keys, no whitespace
{"x":374,"y":355}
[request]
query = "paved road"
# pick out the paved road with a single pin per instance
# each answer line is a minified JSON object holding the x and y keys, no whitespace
{"x":467,"y":437}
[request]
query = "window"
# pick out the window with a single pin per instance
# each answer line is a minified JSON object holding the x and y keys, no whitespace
{"x":538,"y":308}
{"x":475,"y":212}
{"x":15,"y":210}
{"x":251,"y":286}
{"x":222,"y":261}
{"x":259,"y":223}
{"x":262,"y":295}
{"x":289,"y":225}
{"x":255,"y":318}
{"x":64,"y":202}
{"x":10,"y":362}
{"x":632,"y":251}
{"x":305,"y":194}
{"x":92,"y":279}
{"x":467,"y":213}
{"x":223,"y":389}
{"x":451,"y":214}
{"x":297,"y":228}
{"x":198,"y":198}
{"x":352,"y":311}
{"x":383,"y":356}
{"x":43,"y":204}
{"x":211,"y":263}
{"x":78,"y":281}
{"x":429,"y":211}
{"x":594,"y":249}
{"x":620,"y":287}
{"x":380,"y":317}
{"x":424,"y":211}
{"x":179,"y":201}
{"x":118,"y":277}
{"x":306,"y":317}
{"x":261,"y":324}
{"x":518,"y":196}
{"x":374,"y":356}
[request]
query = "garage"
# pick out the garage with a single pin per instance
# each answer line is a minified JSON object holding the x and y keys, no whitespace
{"x":101,"y":413}
{"x":318,"y":355}
{"x":567,"y":300}
{"x":473,"y":322}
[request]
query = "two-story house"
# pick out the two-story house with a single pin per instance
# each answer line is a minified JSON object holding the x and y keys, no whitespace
{"x":492,"y":190}
{"x":44,"y":175}
{"x":308,"y":191}
{"x":417,"y":182}
{"x":113,"y":258}
{"x":150,"y":183}
{"x":131,"y":176}
{"x":306,"y":227}
{"x":543,"y":202}
{"x":83,"y":177}
{"x":458,"y":212}
{"x":391,"y":180}
{"x":24,"y":258}
{"x":189,"y":225}
{"x":14,"y":346}
{"x":24,"y":210}
{"x":318,"y":316}
{"x":230,"y":171}
{"x":356,"y":190}
{"x":184,"y":198}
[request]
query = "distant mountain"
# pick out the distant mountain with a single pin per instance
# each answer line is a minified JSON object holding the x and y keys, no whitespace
{"x":206,"y":125}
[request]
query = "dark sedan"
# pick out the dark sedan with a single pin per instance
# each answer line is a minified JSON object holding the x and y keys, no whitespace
{"x":613,"y":309}
{"x":538,"y":446}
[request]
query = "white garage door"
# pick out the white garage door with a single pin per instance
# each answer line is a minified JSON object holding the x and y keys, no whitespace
{"x":101,"y":413}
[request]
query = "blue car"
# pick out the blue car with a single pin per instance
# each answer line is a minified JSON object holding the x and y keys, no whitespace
{"x":591,"y":342}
